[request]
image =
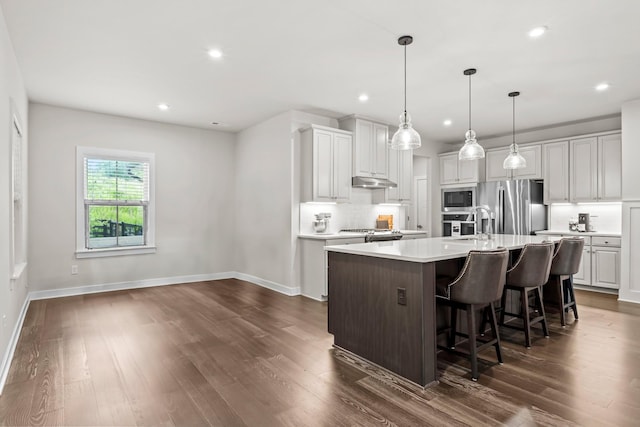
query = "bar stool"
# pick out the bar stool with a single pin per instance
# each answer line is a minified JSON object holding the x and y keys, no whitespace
{"x":529,"y":273}
{"x":566,"y":263}
{"x":478,"y":285}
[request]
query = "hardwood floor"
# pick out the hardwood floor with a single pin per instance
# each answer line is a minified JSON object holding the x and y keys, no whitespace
{"x":230,"y":353}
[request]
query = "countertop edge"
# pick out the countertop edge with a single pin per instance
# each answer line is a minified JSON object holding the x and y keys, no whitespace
{"x":579,"y":233}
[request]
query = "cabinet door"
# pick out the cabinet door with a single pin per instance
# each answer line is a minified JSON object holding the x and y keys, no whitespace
{"x":362,"y":160}
{"x":494,"y":161}
{"x":556,"y":172}
{"x":533,"y":155}
{"x":610,"y":167}
{"x":468,"y":171}
{"x":448,"y":168}
{"x":322,"y":165}
{"x":584,"y":169}
{"x":583,"y":276}
{"x":393,"y":194}
{"x":405,"y":184}
{"x":342,"y":167}
{"x":606,"y":267}
{"x":380,"y":149}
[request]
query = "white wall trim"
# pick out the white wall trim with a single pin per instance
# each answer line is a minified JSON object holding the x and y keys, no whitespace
{"x":13,"y":342}
{"x":268,"y":284}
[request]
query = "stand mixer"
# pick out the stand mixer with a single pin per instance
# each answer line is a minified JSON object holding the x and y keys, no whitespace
{"x":321,"y":223}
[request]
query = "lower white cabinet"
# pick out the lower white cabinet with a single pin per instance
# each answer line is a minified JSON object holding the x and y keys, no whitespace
{"x":600,"y":265}
{"x":313,"y":265}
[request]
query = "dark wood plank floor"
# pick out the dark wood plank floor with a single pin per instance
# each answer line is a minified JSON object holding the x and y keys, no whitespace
{"x":230,"y":353}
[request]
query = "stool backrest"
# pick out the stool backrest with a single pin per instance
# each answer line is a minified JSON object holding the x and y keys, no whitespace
{"x":533,"y":265}
{"x":482,"y":278}
{"x":568,"y":256}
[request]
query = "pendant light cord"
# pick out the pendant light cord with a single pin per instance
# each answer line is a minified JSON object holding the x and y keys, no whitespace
{"x":405,"y":81}
{"x":514,"y":121}
{"x":469,"y":101}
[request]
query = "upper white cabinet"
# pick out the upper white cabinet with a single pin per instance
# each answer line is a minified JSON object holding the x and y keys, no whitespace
{"x":326,"y":164}
{"x":454,"y":171}
{"x":556,"y":172}
{"x":596,"y":168}
{"x":369,"y":147}
{"x":495,"y":158}
{"x":400,"y":172}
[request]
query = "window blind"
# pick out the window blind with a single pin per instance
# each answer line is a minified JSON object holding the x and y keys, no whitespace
{"x":116,"y":180}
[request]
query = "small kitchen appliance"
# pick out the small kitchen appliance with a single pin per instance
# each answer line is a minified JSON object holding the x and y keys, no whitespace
{"x":321,"y":223}
{"x":583,"y":222}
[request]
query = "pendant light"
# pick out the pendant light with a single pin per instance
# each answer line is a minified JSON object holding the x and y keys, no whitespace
{"x":471,"y":150}
{"x":405,"y":138}
{"x":514,"y":160}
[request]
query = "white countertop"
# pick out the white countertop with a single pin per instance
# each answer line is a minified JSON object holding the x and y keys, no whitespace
{"x":577,"y":233}
{"x":343,"y":235}
{"x":435,"y":248}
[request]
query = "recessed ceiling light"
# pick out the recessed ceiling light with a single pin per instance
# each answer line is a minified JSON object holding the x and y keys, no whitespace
{"x":163,"y":106}
{"x":537,"y":32}
{"x":447,"y":122}
{"x":363,"y":97}
{"x":215,"y":53}
{"x":602,"y":87}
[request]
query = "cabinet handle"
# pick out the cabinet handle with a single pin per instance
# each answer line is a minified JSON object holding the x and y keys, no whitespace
{"x":606,"y":242}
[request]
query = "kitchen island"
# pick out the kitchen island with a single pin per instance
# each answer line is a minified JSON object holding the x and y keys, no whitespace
{"x":382,"y":303}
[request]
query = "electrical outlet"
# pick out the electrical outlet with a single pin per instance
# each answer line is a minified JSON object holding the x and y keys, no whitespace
{"x":402,"y":296}
{"x":4,"y":321}
{"x":74,"y":269}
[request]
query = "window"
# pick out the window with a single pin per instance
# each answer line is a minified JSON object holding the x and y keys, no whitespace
{"x":115,"y":207}
{"x":18,"y":247}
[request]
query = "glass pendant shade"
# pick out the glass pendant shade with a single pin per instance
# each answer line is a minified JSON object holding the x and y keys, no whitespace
{"x":514,"y":160}
{"x":471,"y":150}
{"x":406,"y":137}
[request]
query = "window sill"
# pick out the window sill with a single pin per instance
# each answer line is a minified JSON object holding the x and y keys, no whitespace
{"x":99,"y":253}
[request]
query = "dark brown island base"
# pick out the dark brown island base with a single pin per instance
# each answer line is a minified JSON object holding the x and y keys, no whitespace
{"x":382,"y":304}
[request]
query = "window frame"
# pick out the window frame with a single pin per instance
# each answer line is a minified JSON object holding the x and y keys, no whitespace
{"x":18,"y":211}
{"x":82,"y":219}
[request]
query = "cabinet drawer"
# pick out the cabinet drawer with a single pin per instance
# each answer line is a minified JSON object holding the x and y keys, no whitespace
{"x":606,"y":241}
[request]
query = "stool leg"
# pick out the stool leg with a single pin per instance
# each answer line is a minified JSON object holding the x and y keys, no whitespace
{"x":538,"y":297}
{"x":524,"y":307}
{"x":494,"y":327}
{"x":561,"y":300}
{"x":573,"y":298}
{"x":451,"y":342}
{"x":503,"y":305}
{"x":483,"y":323}
{"x":473,"y":350}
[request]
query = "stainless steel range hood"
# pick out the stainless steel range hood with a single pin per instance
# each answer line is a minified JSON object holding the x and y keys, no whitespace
{"x":372,"y":183}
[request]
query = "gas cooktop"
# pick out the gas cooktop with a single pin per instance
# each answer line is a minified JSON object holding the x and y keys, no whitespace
{"x":375,"y":234}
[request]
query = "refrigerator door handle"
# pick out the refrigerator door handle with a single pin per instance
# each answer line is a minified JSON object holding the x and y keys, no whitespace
{"x":500,"y":211}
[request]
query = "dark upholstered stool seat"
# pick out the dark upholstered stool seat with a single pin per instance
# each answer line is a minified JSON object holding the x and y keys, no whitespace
{"x":529,"y":273}
{"x":566,"y":263}
{"x":478,"y":285}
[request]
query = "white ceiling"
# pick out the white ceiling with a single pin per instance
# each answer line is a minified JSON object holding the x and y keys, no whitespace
{"x":125,"y":56}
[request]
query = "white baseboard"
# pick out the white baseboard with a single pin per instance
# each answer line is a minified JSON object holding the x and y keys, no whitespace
{"x":13,"y":341}
{"x":268,"y":284}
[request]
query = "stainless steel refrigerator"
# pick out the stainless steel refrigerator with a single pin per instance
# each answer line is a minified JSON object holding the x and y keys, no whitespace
{"x":516,"y":205}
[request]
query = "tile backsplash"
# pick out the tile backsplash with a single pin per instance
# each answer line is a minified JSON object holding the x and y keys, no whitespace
{"x":349,"y":215}
{"x":605,"y":217}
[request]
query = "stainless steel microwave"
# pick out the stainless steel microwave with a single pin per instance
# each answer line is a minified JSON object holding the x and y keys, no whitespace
{"x":458,"y":199}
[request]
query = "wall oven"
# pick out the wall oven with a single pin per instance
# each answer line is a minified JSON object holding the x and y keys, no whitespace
{"x":458,"y":199}
{"x":458,"y":224}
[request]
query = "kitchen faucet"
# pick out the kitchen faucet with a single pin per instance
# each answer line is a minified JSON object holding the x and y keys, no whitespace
{"x":489,"y":214}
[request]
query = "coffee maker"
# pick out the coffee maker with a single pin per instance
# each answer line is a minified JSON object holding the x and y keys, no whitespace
{"x":583,"y":222}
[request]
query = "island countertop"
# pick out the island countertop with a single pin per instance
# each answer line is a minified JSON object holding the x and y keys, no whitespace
{"x":436,"y":248}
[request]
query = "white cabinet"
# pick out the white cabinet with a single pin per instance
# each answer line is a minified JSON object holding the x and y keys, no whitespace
{"x":370,"y":146}
{"x":556,"y":172}
{"x":454,"y":171}
{"x":326,"y":164}
{"x":313,"y":265}
{"x":583,"y":276}
{"x":495,"y":159}
{"x":596,"y":168}
{"x":400,"y":172}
